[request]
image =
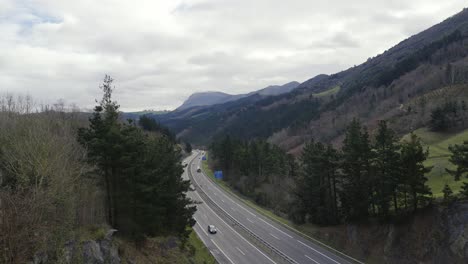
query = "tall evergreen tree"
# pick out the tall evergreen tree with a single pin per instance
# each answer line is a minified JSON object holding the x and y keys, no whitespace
{"x":387,"y":168}
{"x":103,"y":140}
{"x":459,"y":158}
{"x":141,"y":173}
{"x":413,"y":171}
{"x":356,"y":154}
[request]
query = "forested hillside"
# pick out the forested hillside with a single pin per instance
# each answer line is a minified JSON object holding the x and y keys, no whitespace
{"x":68,"y":183}
{"x":397,"y":85}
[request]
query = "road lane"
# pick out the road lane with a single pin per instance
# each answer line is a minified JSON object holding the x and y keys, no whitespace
{"x":288,"y":242}
{"x":224,"y":245}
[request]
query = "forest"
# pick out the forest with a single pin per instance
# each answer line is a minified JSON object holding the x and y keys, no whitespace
{"x":64,"y":174}
{"x":377,"y":177}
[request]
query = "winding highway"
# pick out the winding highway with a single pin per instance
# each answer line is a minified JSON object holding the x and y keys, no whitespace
{"x":245,"y":236}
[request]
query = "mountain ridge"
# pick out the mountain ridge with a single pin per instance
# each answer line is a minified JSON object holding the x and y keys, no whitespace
{"x":379,"y":88}
{"x":214,"y":97}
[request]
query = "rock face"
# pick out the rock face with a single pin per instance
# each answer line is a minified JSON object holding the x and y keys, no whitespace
{"x":92,"y":253}
{"x":101,"y":251}
{"x":87,"y":252}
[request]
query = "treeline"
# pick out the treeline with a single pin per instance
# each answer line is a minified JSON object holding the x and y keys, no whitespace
{"x":257,"y":169}
{"x":366,"y":178}
{"x":381,"y":177}
{"x":141,"y":173}
{"x":64,"y":178}
{"x":449,"y":115}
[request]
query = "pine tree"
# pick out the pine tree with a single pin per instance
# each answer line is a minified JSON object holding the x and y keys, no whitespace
{"x":387,"y":168}
{"x":103,"y":139}
{"x":356,"y":153}
{"x":464,"y":190}
{"x":141,"y":174}
{"x":448,"y":194}
{"x":413,"y":171}
{"x":459,"y":158}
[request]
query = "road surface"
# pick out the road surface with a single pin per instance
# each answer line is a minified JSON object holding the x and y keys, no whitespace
{"x":265,"y":241}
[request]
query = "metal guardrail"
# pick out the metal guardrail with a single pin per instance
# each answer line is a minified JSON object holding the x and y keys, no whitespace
{"x":248,"y":234}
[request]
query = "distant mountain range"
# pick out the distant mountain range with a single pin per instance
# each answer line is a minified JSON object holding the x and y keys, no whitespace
{"x":212,"y":98}
{"x":402,"y":85}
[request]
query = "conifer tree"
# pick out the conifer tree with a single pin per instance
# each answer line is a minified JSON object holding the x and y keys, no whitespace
{"x":387,"y":168}
{"x":356,"y":154}
{"x":413,"y":171}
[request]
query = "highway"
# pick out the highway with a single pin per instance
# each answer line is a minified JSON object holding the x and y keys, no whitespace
{"x":227,"y":246}
{"x":244,"y":235}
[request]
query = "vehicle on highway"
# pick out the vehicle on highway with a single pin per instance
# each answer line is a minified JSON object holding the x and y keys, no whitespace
{"x":212,"y":229}
{"x":198,"y":169}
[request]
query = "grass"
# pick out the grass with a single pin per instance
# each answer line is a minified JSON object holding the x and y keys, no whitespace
{"x":202,"y":255}
{"x":328,"y":92}
{"x":439,"y":154}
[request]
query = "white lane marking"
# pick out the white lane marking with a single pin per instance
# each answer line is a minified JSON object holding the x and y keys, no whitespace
{"x":222,"y":251}
{"x":318,"y":252}
{"x":274,"y":227}
{"x":233,"y":209}
{"x":235,"y":230}
{"x":312,"y":259}
{"x":240,"y":251}
{"x":203,"y":229}
{"x":227,"y":196}
{"x":249,"y":220}
{"x":249,"y":212}
{"x":275,"y":236}
{"x":206,"y":217}
{"x":222,"y":200}
{"x":215,"y":193}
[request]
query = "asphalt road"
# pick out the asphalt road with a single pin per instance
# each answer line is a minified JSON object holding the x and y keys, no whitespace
{"x":227,"y":246}
{"x":232,"y":246}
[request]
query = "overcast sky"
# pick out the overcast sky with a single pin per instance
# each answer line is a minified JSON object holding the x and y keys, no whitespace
{"x":160,"y":52}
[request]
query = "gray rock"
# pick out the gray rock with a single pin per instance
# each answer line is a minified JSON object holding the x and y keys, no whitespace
{"x":69,"y":251}
{"x":109,"y":252}
{"x":92,"y":253}
{"x":40,"y":258}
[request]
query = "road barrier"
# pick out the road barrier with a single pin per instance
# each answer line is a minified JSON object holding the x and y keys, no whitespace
{"x":247,"y":233}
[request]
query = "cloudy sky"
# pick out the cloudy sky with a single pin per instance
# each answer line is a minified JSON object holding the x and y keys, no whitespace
{"x":160,"y":52}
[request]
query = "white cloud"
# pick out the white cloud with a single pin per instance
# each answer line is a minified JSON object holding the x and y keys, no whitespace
{"x":159,"y":52}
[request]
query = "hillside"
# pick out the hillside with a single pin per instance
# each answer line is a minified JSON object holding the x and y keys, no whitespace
{"x":380,"y":88}
{"x":439,"y":154}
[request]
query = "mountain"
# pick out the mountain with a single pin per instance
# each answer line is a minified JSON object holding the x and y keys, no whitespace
{"x":205,"y":98}
{"x":277,"y":89}
{"x":212,"y":98}
{"x":402,"y":85}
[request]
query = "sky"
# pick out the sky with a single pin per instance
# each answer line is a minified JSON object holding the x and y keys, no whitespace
{"x":160,"y":52}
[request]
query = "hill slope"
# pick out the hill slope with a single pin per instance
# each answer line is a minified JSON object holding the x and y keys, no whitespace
{"x":381,"y":88}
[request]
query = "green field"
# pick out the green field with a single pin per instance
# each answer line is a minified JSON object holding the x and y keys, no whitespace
{"x":328,"y":92}
{"x":439,"y":154}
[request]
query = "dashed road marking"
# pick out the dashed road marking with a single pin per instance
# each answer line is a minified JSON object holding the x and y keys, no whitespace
{"x":312,"y":259}
{"x":275,"y":236}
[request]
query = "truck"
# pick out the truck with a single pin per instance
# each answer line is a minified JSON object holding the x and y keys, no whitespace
{"x":198,"y":169}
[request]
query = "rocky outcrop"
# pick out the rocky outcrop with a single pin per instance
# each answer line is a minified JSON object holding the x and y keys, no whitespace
{"x":100,"y":251}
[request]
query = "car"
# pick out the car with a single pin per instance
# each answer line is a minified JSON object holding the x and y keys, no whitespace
{"x":212,"y":229}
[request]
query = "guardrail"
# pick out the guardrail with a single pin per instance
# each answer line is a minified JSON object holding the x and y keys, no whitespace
{"x":248,"y":234}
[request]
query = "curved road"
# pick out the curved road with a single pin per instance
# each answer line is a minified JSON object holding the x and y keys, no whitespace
{"x":232,"y":246}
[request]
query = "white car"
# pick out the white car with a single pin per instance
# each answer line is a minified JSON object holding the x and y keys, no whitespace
{"x":212,"y":229}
